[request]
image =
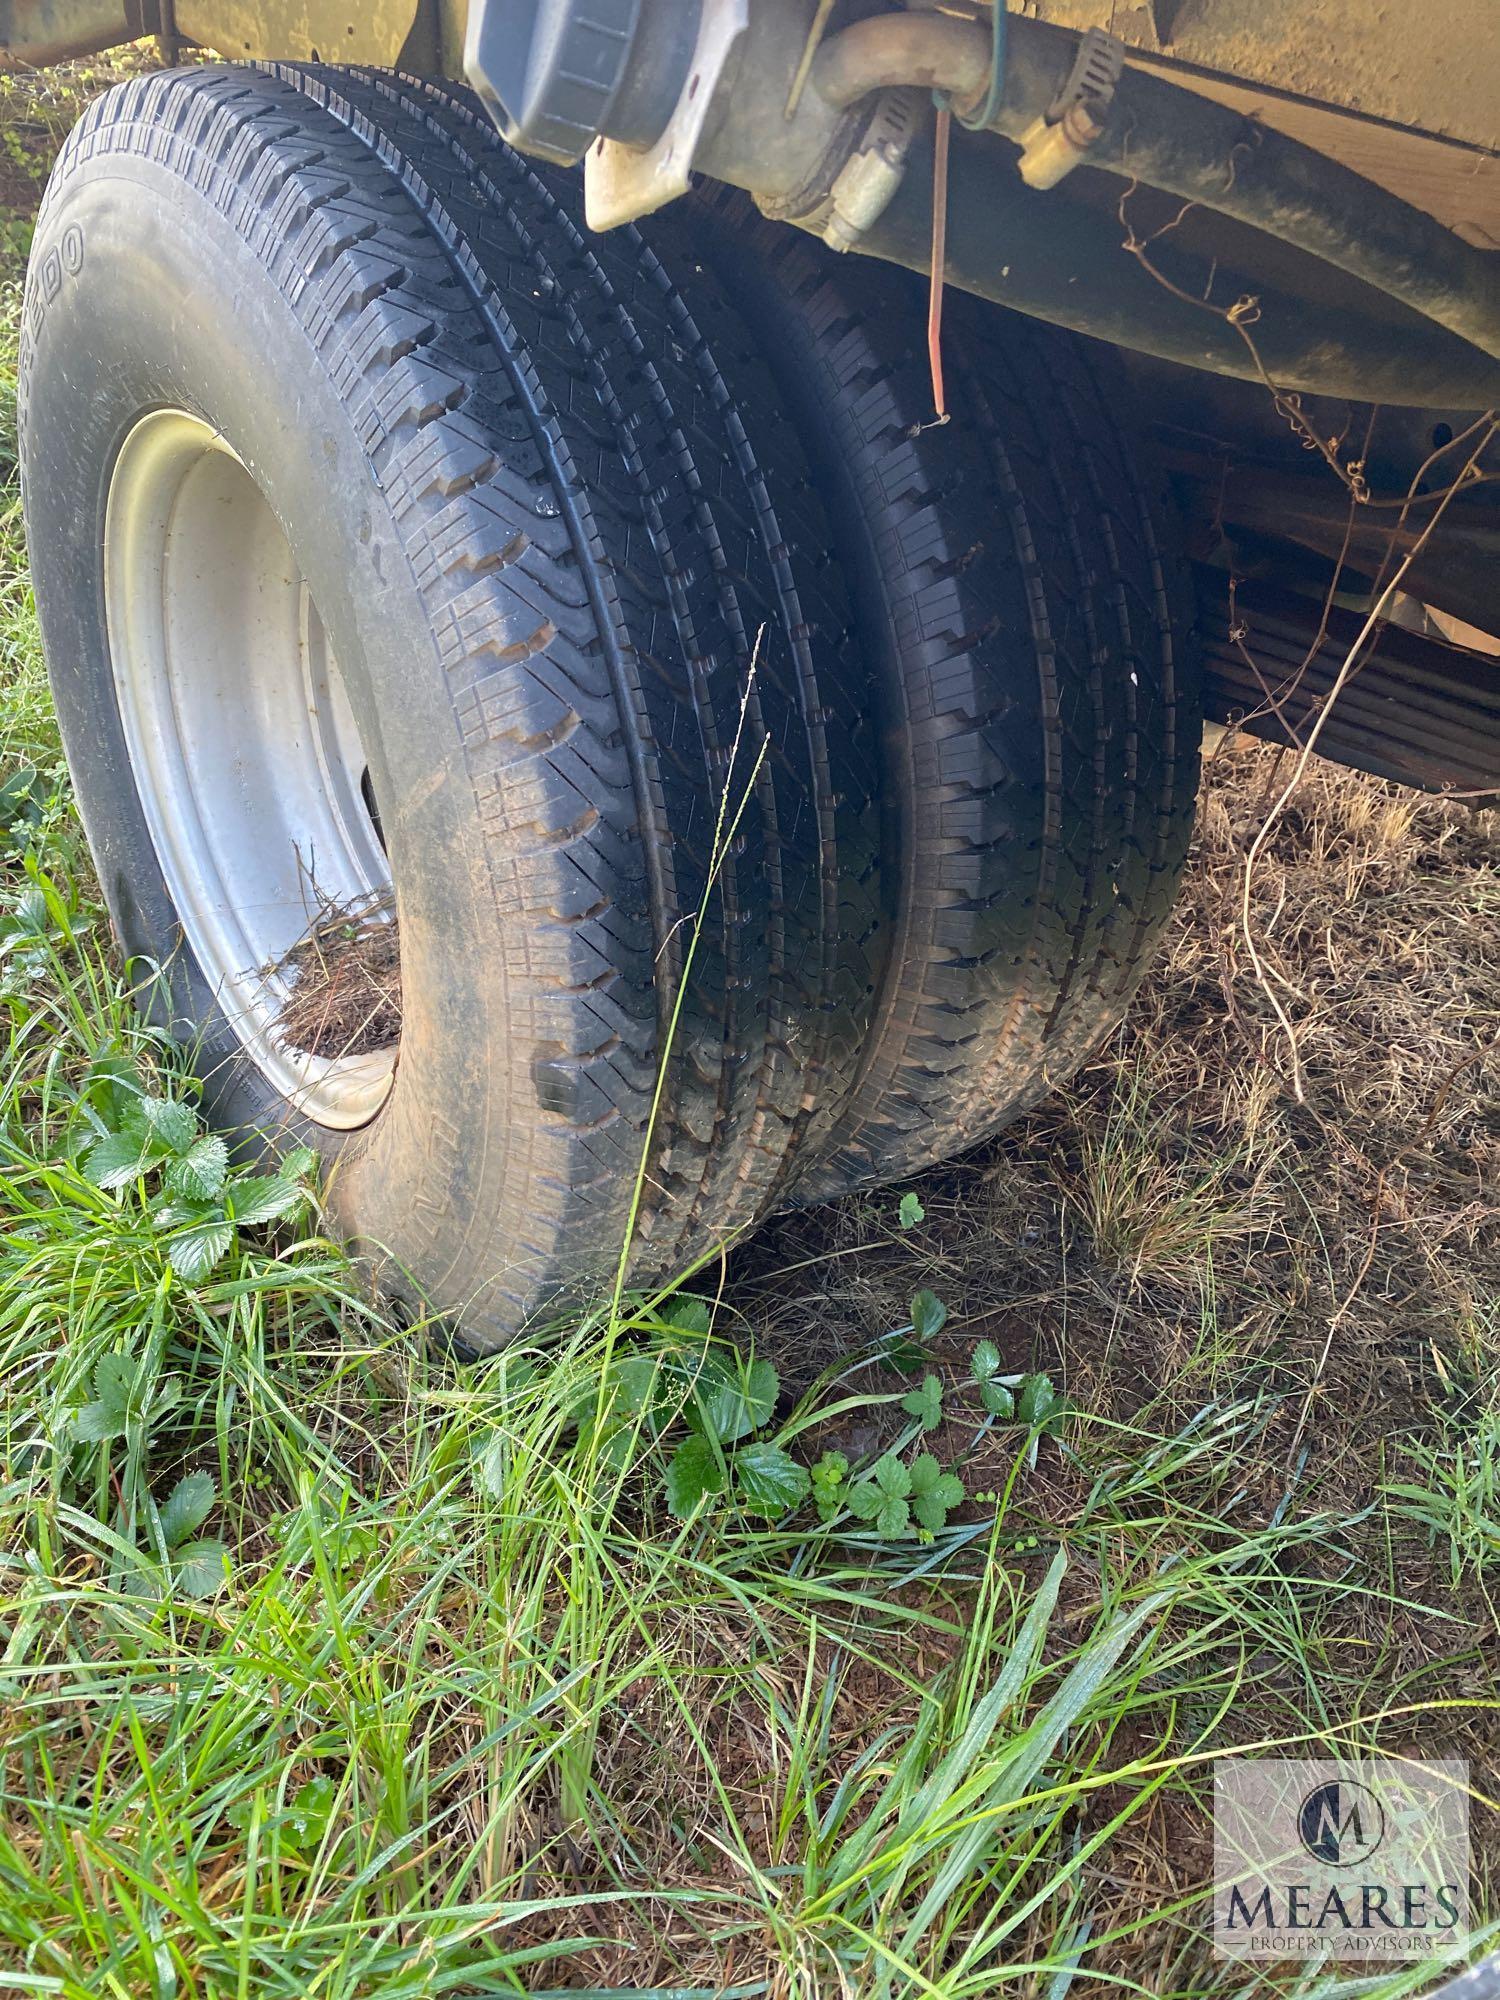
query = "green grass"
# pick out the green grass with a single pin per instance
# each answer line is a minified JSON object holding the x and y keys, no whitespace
{"x":447,"y":1702}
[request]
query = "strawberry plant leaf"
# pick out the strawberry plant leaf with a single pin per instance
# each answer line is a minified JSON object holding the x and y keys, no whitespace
{"x":173,"y":1212}
{"x":926,"y":1403}
{"x":117,"y":1159}
{"x":924,"y":1472}
{"x":716,"y":1406}
{"x":828,"y":1484}
{"x":984,"y":1361}
{"x":731,"y":1399}
{"x":933,"y":1491}
{"x":997,"y":1399}
{"x":187,"y":1507}
{"x":928,"y":1315}
{"x":311,"y":1810}
{"x":201,"y":1568}
{"x":881,"y":1497}
{"x":28,"y":920}
{"x":490,"y":1460}
{"x":107,"y":1415}
{"x":635,"y":1383}
{"x":201,"y":1171}
{"x":1051,"y":1424}
{"x":262,"y":1198}
{"x":901,"y":1354}
{"x":21,"y":797}
{"x":891,"y":1476}
{"x":1036,"y":1400}
{"x":694,"y":1474}
{"x":94,"y":1424}
{"x":687,"y":1313}
{"x":617,"y":1447}
{"x":173,"y":1124}
{"x":193,"y":1252}
{"x":911,"y":1211}
{"x":114,"y":1379}
{"x":762,"y":1387}
{"x":110,"y":1090}
{"x":768,"y":1481}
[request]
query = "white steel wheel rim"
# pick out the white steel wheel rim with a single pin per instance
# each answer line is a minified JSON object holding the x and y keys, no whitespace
{"x":242,"y":741}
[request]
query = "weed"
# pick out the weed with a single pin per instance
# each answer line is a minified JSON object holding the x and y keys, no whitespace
{"x":1453,"y":1491}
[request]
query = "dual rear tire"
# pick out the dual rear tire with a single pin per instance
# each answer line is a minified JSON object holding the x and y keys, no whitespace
{"x":771,"y":793}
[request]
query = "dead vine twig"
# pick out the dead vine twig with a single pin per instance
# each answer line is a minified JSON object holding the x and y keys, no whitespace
{"x":1341,"y":679}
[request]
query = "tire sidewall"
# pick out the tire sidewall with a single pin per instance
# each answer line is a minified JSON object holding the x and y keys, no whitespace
{"x":158,"y":302}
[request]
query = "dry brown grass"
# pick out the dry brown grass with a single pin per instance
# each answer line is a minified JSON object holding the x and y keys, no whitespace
{"x":346,"y":982}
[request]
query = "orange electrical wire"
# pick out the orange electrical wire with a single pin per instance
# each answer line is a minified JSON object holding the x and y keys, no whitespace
{"x":939,"y":259}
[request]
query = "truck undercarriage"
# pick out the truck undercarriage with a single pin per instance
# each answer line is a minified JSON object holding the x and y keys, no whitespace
{"x":1305,"y":202}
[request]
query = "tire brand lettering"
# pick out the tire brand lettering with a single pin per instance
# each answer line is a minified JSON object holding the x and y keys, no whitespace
{"x":46,"y":281}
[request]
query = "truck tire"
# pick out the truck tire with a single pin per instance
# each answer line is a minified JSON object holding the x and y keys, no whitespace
{"x":398,"y":547}
{"x":1030,"y":634}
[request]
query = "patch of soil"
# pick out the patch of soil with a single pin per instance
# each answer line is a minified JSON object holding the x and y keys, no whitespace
{"x":345,"y":976}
